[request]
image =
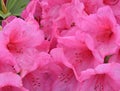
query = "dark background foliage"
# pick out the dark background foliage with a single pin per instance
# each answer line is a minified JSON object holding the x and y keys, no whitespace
{"x":11,"y":7}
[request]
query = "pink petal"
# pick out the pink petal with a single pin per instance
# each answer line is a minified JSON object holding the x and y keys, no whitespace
{"x":103,"y":77}
{"x":11,"y":82}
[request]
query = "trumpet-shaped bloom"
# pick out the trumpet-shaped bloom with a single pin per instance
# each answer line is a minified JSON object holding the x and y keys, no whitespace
{"x":104,"y":77}
{"x":103,"y":29}
{"x":20,"y":37}
{"x":18,"y":42}
{"x":54,"y":76}
{"x":62,"y":45}
{"x":79,"y":54}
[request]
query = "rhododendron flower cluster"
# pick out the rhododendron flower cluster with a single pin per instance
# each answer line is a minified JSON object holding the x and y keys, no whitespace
{"x":62,"y":45}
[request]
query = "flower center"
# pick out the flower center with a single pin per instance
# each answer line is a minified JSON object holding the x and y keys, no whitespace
{"x":104,"y":36}
{"x":13,"y":48}
{"x":99,"y":86}
{"x":66,"y":76}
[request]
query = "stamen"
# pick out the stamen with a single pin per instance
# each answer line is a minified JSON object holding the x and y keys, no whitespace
{"x":13,"y":48}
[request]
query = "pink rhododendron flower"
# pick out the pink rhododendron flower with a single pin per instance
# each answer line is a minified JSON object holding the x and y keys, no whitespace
{"x":6,"y":21}
{"x":20,"y":41}
{"x":11,"y":82}
{"x":114,"y":4}
{"x":40,"y":78}
{"x":78,"y":54}
{"x":19,"y":38}
{"x":61,"y":45}
{"x":34,"y":62}
{"x":59,"y":2}
{"x":66,"y":81}
{"x":91,"y":6}
{"x":54,"y":76}
{"x":114,"y":57}
{"x":110,"y":2}
{"x":104,"y":77}
{"x":46,"y":79}
{"x":8,"y":65}
{"x":65,"y":23}
{"x":33,"y":8}
{"x":103,"y":29}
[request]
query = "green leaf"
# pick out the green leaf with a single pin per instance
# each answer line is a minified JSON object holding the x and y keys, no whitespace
{"x":16,"y":6}
{"x":0,"y":5}
{"x":10,"y":4}
{"x":4,"y":15}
